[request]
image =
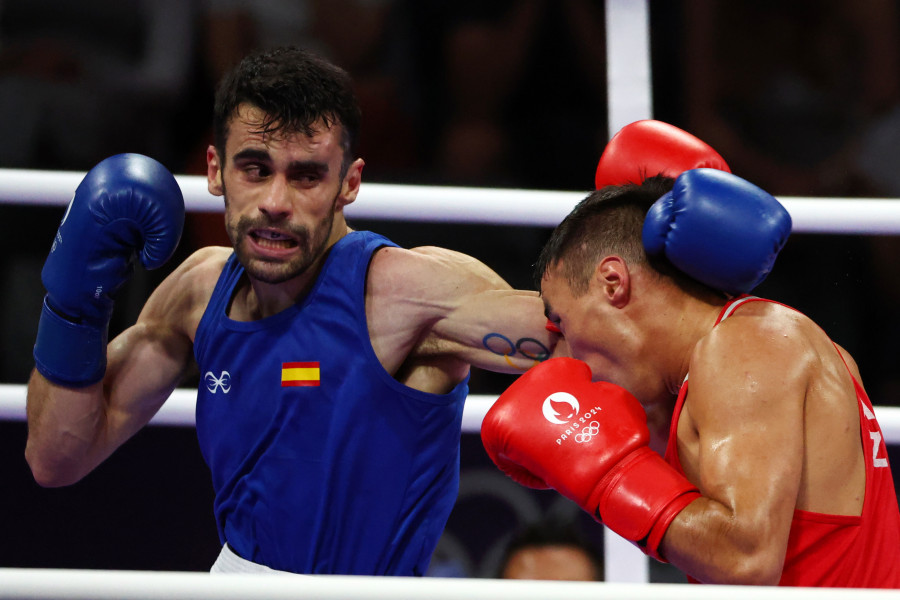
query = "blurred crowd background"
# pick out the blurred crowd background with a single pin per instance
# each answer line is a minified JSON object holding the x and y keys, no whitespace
{"x":802,"y":98}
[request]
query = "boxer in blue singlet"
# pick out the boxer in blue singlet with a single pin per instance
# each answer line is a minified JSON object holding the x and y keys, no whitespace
{"x":333,"y":364}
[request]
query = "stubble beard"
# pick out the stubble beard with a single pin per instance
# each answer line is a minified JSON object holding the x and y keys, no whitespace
{"x":272,"y":271}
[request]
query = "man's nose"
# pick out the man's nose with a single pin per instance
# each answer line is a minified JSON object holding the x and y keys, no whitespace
{"x":277,"y":200}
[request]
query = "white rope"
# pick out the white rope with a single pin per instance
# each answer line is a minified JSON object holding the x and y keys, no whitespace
{"x":47,"y":584}
{"x":469,"y":205}
{"x":178,"y":411}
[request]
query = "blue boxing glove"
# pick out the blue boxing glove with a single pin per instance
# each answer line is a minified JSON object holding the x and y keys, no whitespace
{"x":719,"y":229}
{"x":127,"y":205}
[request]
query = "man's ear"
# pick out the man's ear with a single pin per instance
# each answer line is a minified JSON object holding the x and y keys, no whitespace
{"x":213,"y":171}
{"x":350,"y":185}
{"x":613,"y":280}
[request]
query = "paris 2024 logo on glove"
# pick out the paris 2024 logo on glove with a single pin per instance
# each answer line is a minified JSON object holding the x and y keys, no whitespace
{"x":562,"y":408}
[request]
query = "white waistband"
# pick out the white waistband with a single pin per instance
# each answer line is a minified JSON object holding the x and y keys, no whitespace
{"x":229,"y":562}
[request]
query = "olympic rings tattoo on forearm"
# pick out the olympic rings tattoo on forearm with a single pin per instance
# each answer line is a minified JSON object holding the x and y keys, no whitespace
{"x":529,"y":348}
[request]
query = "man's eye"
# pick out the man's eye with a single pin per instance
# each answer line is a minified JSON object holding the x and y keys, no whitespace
{"x":307,"y":178}
{"x":255,"y":170}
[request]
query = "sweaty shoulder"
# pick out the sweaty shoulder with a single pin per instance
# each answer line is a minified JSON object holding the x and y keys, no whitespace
{"x":766,"y":351}
{"x":784,"y":381}
{"x":783,"y":333}
{"x":760,"y":332}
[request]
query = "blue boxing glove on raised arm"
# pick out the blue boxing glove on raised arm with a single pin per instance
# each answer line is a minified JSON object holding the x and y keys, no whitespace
{"x":127,"y":205}
{"x":719,"y":229}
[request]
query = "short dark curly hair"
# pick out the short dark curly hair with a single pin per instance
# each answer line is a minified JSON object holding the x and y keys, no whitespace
{"x":295,"y":89}
{"x":608,"y":221}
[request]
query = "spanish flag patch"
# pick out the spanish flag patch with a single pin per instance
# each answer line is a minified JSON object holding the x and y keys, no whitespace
{"x":299,"y":373}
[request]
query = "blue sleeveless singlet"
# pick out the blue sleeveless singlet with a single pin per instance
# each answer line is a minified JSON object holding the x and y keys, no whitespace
{"x":321,"y":461}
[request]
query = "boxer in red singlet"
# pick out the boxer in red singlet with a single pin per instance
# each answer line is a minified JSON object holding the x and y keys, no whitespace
{"x":780,"y":471}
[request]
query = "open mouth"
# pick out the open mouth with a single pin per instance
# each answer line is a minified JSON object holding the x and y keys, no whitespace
{"x":273,"y":240}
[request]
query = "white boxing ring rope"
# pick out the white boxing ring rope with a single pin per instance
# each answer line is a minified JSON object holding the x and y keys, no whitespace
{"x":45,"y":584}
{"x":178,"y":411}
{"x":510,"y":207}
{"x":542,"y":208}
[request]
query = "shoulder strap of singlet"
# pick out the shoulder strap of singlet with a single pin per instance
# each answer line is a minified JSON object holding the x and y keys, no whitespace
{"x":733,"y":304}
{"x":215,"y":308}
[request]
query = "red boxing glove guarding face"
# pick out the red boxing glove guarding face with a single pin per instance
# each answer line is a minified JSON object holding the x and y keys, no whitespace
{"x":555,"y":428}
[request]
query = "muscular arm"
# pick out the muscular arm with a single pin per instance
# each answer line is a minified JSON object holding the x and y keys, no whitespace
{"x":433,"y":303}
{"x":741,"y":440}
{"x":72,"y":430}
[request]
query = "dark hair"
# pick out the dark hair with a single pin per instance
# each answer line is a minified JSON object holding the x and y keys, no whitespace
{"x":552,"y":532}
{"x":295,"y":89}
{"x":608,"y":221}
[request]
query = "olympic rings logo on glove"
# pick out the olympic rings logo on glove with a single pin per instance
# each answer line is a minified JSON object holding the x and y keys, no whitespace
{"x":588,"y":432}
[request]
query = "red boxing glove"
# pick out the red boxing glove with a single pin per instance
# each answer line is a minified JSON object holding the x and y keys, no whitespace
{"x":647,"y":148}
{"x":554,"y":428}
